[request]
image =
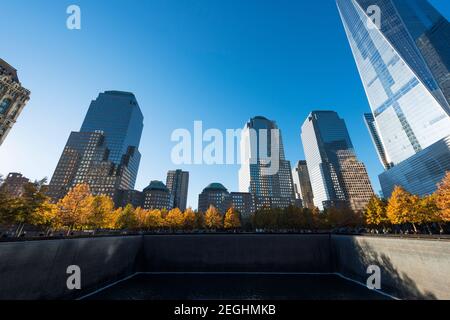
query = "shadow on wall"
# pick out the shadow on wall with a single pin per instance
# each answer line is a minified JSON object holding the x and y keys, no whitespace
{"x":353,"y":255}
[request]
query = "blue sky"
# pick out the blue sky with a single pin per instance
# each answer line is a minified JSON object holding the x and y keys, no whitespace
{"x":220,"y":62}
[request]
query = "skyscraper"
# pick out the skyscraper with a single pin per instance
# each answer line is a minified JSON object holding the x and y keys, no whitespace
{"x":104,"y":153}
{"x":371,"y":126}
{"x":264,"y":171}
{"x":13,"y":98}
{"x":338,"y":179}
{"x":403,"y":59}
{"x":302,"y":184}
{"x":178,"y":183}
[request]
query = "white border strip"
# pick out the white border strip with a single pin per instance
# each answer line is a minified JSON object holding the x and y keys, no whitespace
{"x":248,"y":273}
{"x":108,"y":286}
{"x":365,"y":286}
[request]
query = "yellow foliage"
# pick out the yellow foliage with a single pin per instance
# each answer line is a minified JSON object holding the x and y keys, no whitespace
{"x":213,"y":219}
{"x":102,"y":213}
{"x":443,"y":198}
{"x":154,"y":219}
{"x":232,"y":220}
{"x":189,"y":219}
{"x":74,"y":208}
{"x":375,"y":213}
{"x":175,"y":219}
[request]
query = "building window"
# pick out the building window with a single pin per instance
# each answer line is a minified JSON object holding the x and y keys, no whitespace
{"x":4,"y":106}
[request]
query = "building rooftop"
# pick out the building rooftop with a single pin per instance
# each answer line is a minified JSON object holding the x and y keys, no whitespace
{"x":156,"y":185}
{"x":8,"y":69}
{"x":215,"y":186}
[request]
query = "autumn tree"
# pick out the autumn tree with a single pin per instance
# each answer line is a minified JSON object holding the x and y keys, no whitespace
{"x":428,"y":212}
{"x":375,"y":213}
{"x":154,"y":219}
{"x":141,"y":216}
{"x":443,"y":198}
{"x":213,"y":219}
{"x":189,"y":219}
{"x":46,"y":216}
{"x":199,"y":221}
{"x":126,"y":218}
{"x":232,"y":219}
{"x":101,"y":213}
{"x":402,"y":208}
{"x":75,"y":207}
{"x":174,"y":219}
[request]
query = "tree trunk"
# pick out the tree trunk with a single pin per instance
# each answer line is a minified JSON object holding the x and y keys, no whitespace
{"x":414,"y":227}
{"x":20,"y":229}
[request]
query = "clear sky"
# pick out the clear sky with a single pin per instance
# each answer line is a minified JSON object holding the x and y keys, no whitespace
{"x":221,"y":62}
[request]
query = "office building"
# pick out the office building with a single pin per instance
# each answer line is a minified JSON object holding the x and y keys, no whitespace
{"x":244,"y":203}
{"x":215,"y":194}
{"x":338,"y":179}
{"x":178,"y":183}
{"x":157,"y":196}
{"x":13,"y":98}
{"x":371,"y":126}
{"x":113,"y":126}
{"x":133,"y":197}
{"x":403,"y":60}
{"x":302,"y":184}
{"x":264,"y":172}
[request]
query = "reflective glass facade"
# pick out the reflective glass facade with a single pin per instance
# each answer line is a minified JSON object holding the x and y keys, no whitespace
{"x":259,"y":138}
{"x":421,"y":173}
{"x":104,"y":154}
{"x":337,"y":178}
{"x":410,"y":109}
{"x":404,"y":66}
{"x":118,"y":115}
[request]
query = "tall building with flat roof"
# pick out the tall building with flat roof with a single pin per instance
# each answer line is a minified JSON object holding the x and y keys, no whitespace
{"x":302,"y":184}
{"x":404,"y":60}
{"x":104,"y":153}
{"x":338,"y":179}
{"x":13,"y":98}
{"x":264,"y":171}
{"x":178,"y":184}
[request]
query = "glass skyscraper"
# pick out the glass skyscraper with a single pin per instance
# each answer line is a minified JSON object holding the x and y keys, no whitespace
{"x":265,"y":172}
{"x":403,"y":60}
{"x":104,"y":153}
{"x":337,"y":178}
